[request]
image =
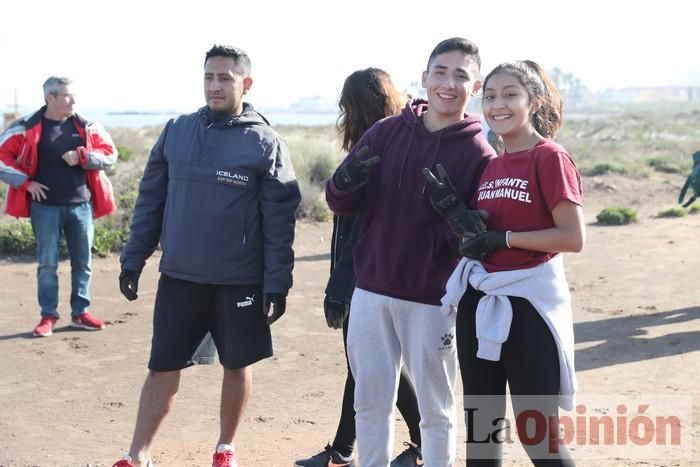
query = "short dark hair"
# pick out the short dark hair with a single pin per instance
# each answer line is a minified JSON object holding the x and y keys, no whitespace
{"x":240,"y":58}
{"x":461,"y":44}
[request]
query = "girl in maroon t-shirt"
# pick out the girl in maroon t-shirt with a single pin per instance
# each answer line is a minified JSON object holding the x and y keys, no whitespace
{"x":533,"y":196}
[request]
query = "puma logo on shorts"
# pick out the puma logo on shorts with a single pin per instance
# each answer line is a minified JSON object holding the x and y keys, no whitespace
{"x":247,"y":302}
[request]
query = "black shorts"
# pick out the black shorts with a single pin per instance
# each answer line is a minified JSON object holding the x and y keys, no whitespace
{"x":184,"y":313}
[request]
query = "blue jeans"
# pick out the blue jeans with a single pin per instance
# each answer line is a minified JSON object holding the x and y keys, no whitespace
{"x":75,"y":221}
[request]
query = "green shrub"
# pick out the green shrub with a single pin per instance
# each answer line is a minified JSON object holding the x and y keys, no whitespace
{"x":605,"y":168}
{"x":108,"y":239}
{"x":694,"y":208}
{"x":121,"y":220}
{"x":639,"y":171}
{"x":125,"y":154}
{"x":17,"y":239}
{"x":318,"y":211}
{"x":676,"y":211}
{"x":313,"y":205}
{"x":315,"y":154}
{"x":662,"y":165}
{"x":616,"y":216}
{"x":126,"y":201}
{"x":320,"y":169}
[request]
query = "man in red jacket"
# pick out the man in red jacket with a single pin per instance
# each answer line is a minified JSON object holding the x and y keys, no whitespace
{"x":53,"y":161}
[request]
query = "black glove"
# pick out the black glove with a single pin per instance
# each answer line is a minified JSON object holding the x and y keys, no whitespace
{"x":336,"y":312}
{"x":355,"y":173}
{"x":129,"y":284}
{"x":443,"y":197}
{"x":482,"y":245}
{"x":466,"y":222}
{"x":278,"y":303}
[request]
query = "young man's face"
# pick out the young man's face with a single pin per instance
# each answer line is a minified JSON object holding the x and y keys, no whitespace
{"x":61,"y":103}
{"x":450,"y":80}
{"x":225,"y":85}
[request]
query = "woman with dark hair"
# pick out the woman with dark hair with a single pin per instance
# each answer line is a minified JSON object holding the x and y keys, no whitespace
{"x":514,"y":318}
{"x":368,"y":95}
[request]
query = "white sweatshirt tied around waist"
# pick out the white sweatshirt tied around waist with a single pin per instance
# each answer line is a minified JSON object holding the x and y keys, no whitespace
{"x":544,"y":286}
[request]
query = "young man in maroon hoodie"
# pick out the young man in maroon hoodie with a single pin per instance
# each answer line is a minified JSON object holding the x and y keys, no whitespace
{"x":406,"y":251}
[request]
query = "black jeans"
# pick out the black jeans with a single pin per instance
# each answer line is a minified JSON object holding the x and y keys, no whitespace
{"x":529,"y":364}
{"x":406,"y":402}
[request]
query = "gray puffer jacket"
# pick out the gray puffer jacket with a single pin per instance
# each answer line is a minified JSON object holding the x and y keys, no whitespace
{"x":220,"y":195}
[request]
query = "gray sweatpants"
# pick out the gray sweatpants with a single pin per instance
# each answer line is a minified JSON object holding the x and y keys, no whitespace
{"x":384,"y":332}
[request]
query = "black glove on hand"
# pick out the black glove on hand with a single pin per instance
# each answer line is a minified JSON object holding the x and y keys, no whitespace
{"x":466,"y":222}
{"x":129,"y":284}
{"x":335,"y":311}
{"x":482,"y":245}
{"x":443,"y":197}
{"x":355,"y":173}
{"x":278,"y":303}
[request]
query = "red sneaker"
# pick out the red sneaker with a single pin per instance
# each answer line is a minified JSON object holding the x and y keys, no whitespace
{"x":124,"y":463}
{"x":128,"y":462}
{"x":224,"y":456}
{"x":88,"y":322}
{"x":45,"y":326}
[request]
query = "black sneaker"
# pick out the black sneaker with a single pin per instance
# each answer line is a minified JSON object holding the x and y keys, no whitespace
{"x":411,"y":457}
{"x":329,"y":457}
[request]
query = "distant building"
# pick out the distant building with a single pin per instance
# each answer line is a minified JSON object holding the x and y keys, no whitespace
{"x":314,"y":105}
{"x":653,"y":94}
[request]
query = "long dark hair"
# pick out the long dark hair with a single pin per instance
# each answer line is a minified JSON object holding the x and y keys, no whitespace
{"x":540,"y":88}
{"x":368,"y":95}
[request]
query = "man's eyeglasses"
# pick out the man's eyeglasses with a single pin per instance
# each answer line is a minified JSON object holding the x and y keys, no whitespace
{"x":64,"y":94}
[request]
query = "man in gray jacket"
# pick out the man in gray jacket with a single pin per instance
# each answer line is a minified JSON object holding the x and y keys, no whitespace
{"x":219,"y":193}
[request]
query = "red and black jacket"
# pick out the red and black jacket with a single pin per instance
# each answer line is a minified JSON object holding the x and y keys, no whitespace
{"x":19,"y":160}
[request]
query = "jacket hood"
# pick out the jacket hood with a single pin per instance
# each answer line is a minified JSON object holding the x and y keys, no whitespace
{"x":247,"y":117}
{"x":411,"y":114}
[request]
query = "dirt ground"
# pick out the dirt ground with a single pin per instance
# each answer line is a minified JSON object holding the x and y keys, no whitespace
{"x":71,"y":399}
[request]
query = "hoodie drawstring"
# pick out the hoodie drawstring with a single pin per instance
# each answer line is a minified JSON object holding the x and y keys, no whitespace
{"x":405,"y":154}
{"x":433,"y":159}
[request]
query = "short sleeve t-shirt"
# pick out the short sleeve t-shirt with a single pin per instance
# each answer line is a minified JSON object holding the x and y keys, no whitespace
{"x":67,"y":184}
{"x":519,"y":191}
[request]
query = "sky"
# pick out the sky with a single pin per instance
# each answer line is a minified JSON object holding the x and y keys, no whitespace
{"x":148,"y":55}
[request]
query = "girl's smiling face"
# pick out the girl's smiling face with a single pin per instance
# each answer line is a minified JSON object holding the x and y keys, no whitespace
{"x":507,"y":106}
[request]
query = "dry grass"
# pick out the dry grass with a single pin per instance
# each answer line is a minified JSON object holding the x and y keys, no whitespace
{"x":608,"y":150}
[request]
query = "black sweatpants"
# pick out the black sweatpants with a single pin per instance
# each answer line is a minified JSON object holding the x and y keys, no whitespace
{"x":406,"y":402}
{"x":529,"y":364}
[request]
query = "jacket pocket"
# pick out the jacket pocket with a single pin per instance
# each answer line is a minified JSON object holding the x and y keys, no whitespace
{"x":208,"y":216}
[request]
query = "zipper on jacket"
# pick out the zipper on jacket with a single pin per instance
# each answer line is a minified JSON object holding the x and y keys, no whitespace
{"x":335,"y":244}
{"x":245,"y":231}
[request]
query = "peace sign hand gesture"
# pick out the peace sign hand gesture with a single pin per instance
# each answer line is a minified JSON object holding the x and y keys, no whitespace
{"x":464,"y":222}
